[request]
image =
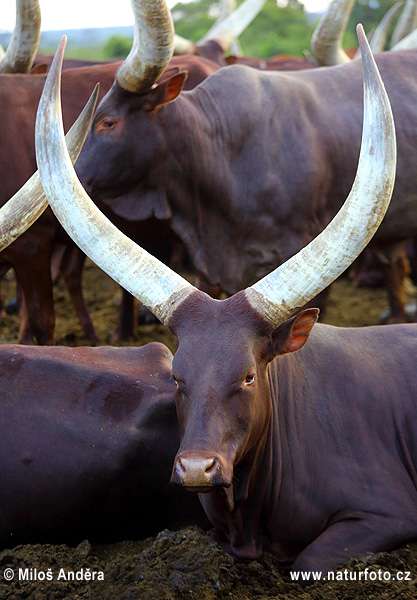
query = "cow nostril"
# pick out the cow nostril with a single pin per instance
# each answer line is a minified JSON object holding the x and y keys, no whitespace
{"x":211,"y":466}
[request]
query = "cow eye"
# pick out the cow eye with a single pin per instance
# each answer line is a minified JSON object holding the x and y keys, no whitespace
{"x":249,"y":379}
{"x":175,"y":380}
{"x":106,"y":124}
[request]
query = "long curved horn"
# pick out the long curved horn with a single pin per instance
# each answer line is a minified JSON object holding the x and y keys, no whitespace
{"x":227,"y":7}
{"x":234,"y":25}
{"x":379,"y":37}
{"x":406,"y":23}
{"x":152,"y":47}
{"x":145,"y":277}
{"x":2,"y":52}
{"x":316,"y":266}
{"x":27,"y":205}
{"x":407,"y":43}
{"x":381,"y":32}
{"x":183,"y":46}
{"x":24,"y":43}
{"x":326,"y":42}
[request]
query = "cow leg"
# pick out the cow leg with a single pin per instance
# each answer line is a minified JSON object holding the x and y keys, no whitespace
{"x":71,"y":270}
{"x":3,"y":312}
{"x":127,"y":314}
{"x":25,"y":332}
{"x":394,"y":283}
{"x":36,"y":282}
{"x":351,"y":537}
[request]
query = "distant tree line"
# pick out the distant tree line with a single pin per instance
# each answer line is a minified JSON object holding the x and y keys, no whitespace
{"x":278,"y":29}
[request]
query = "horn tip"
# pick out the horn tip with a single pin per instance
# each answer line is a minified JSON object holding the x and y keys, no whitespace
{"x":360,"y":32}
{"x":363,"y":42}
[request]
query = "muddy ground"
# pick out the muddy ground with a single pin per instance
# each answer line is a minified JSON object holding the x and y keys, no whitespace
{"x":185,"y":564}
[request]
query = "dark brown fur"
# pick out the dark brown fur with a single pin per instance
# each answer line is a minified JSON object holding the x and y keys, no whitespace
{"x":315,"y":459}
{"x":87,"y":441}
{"x":31,"y":254}
{"x":249,"y":166}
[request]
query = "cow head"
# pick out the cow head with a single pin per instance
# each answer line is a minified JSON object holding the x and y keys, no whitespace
{"x":223,"y":397}
{"x":129,"y":129}
{"x":134,"y":144}
{"x":126,"y":132}
{"x":224,"y":346}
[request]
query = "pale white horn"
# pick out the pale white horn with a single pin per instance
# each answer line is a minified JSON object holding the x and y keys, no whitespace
{"x":379,"y":36}
{"x":407,"y":43}
{"x":302,"y":277}
{"x":152,"y":48}
{"x":227,"y":7}
{"x":406,"y":23}
{"x":326,"y":42}
{"x":145,"y":277}
{"x":381,"y":32}
{"x":183,"y":46}
{"x":27,"y":205}
{"x":24,"y":42}
{"x":234,"y":25}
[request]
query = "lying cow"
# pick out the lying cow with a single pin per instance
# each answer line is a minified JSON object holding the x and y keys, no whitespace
{"x":312,"y":455}
{"x":87,"y":440}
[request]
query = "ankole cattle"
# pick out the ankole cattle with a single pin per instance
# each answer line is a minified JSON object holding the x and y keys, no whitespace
{"x":88,"y":436}
{"x":263,"y":162}
{"x":309,"y":455}
{"x":30,"y":255}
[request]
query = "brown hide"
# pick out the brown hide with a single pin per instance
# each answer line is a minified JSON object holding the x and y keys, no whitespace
{"x":30,"y":255}
{"x":263,"y":162}
{"x":276,"y":63}
{"x":312,"y":458}
{"x":88,"y":436}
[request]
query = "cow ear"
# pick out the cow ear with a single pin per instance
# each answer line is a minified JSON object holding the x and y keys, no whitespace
{"x":293,"y":333}
{"x":166,"y":91}
{"x":39,"y":69}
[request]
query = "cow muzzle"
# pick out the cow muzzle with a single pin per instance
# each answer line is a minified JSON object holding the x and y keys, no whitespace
{"x":199,"y":473}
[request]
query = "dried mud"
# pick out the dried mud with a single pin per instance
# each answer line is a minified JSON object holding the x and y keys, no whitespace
{"x":184,"y":564}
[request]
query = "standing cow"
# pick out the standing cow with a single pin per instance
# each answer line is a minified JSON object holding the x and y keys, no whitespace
{"x":310,"y":455}
{"x":262,"y":163}
{"x":30,"y":255}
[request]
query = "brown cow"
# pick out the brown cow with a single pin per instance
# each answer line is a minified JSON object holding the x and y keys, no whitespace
{"x":87,"y":440}
{"x":314,"y":457}
{"x":284,"y":148}
{"x":30,"y":255}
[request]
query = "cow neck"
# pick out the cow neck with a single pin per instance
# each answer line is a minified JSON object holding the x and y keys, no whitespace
{"x":199,"y":186}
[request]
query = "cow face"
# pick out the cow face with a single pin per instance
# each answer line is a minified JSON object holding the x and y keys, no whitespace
{"x":223,"y":398}
{"x":126,"y":142}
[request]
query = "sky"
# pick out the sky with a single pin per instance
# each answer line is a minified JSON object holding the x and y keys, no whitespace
{"x":79,"y":14}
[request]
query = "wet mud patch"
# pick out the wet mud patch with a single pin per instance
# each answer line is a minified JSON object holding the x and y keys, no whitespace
{"x":186,"y":565}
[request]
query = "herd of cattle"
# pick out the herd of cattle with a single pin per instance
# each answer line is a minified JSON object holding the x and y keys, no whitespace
{"x":300,"y":438}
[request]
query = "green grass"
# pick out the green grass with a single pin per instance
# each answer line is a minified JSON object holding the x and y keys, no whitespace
{"x":86,"y":53}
